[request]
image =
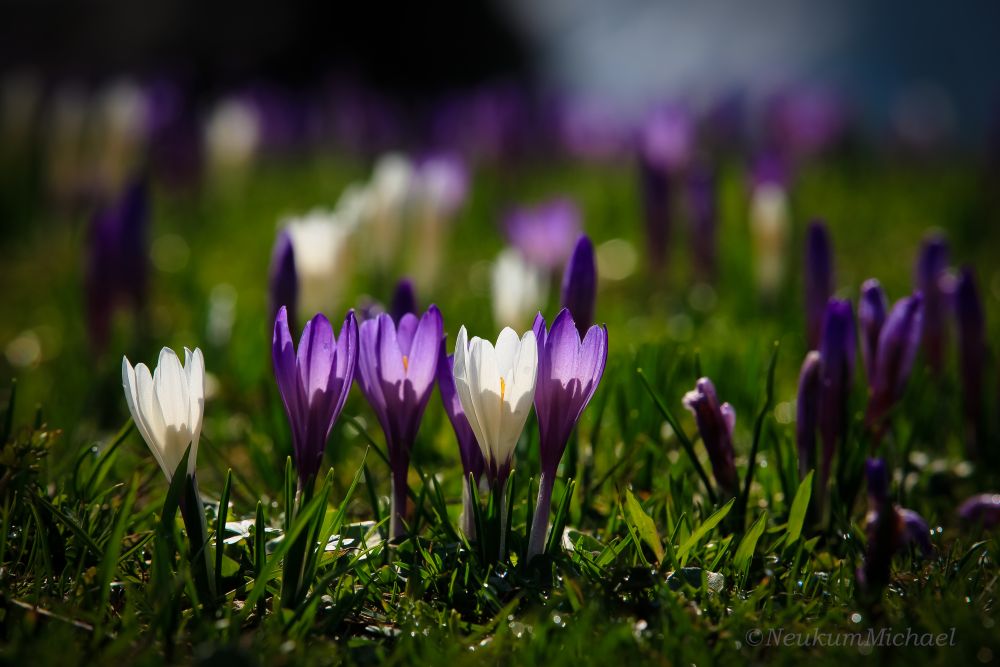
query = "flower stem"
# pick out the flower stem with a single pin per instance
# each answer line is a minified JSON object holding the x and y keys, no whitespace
{"x":467,"y":521}
{"x":202,"y":563}
{"x":540,"y":522}
{"x":503,"y":522}
{"x":400,"y":486}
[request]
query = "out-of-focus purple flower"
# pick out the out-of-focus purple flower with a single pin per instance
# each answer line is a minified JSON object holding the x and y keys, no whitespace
{"x":404,"y":300}
{"x":589,"y":130}
{"x":897,"y":349}
{"x":283,"y":283}
{"x":468,"y":448}
{"x":836,"y":376}
{"x":807,"y":412}
{"x":665,"y":147}
{"x":314,"y":382}
{"x":117,"y":264}
{"x":872,"y":309}
{"x":174,"y":140}
{"x":579,"y":284}
{"x":715,"y":424}
{"x":889,"y":529}
{"x":971,"y":352}
{"x":397,"y":365}
{"x":931,"y":280}
{"x":569,"y":371}
{"x":818,"y":279}
{"x":805,"y":121}
{"x":983,"y":508}
{"x":545,"y":233}
{"x":770,"y":169}
{"x":703,"y":208}
{"x":442,"y":183}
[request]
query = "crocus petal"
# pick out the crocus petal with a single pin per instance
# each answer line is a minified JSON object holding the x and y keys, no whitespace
{"x":406,"y":327}
{"x":194,"y":367}
{"x":315,"y":356}
{"x":171,"y":389}
{"x":423,"y":352}
{"x":484,"y":381}
{"x":915,"y":531}
{"x":519,"y":396}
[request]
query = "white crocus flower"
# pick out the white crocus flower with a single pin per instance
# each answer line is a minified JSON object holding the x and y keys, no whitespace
{"x":168,"y":406}
{"x":769,"y":223}
{"x":519,"y":289}
{"x":319,"y":243}
{"x":496,"y":386}
{"x":386,"y":203}
{"x":232,"y":135}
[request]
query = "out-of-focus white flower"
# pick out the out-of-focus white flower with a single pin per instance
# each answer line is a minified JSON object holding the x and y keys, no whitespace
{"x":168,"y":406}
{"x":122,"y":121}
{"x":440,"y":186}
{"x":232,"y":135}
{"x":519,"y":289}
{"x":769,"y":222}
{"x":496,"y":386}
{"x":386,"y":203}
{"x":319,"y":243}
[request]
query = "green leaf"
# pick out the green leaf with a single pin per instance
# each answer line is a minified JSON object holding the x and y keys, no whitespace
{"x":797,"y":515}
{"x":703,"y":530}
{"x":109,"y":563}
{"x":220,"y":525}
{"x":745,"y":551}
{"x":643,"y":525}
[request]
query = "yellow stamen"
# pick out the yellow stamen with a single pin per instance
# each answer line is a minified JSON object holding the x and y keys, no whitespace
{"x":406,"y":363}
{"x":503,"y":388}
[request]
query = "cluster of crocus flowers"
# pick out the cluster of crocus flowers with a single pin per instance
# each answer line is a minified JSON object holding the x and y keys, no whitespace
{"x":569,"y":370}
{"x":715,"y":425}
{"x":889,"y":529}
{"x":167,"y":407}
{"x":314,"y":382}
{"x":397,"y":367}
{"x":116,"y":267}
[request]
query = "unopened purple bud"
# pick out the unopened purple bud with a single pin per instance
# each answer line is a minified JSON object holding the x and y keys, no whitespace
{"x":881,"y":528}
{"x":715,"y":424}
{"x":932,"y":269}
{"x":579,"y":285}
{"x":283,"y":282}
{"x":404,"y":300}
{"x":914,"y":531}
{"x":872,"y":309}
{"x":897,"y":349}
{"x":971,"y":352}
{"x":818,"y":279}
{"x":836,"y":376}
{"x":807,"y":408}
{"x":983,"y":509}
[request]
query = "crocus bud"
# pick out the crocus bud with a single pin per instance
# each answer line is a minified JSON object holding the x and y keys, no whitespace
{"x":983,"y":509}
{"x":932,"y":271}
{"x":715,"y":424}
{"x":818,"y":280}
{"x":703,"y":209}
{"x":807,"y":408}
{"x":971,"y":352}
{"x":283,"y":283}
{"x":872,"y":310}
{"x":897,"y":348}
{"x":836,"y":376}
{"x":579,"y":285}
{"x":404,"y":300}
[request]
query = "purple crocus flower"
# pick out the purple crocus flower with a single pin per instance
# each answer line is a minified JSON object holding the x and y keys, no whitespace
{"x":283,"y":283}
{"x":579,"y":285}
{"x":872,"y":309}
{"x":545,"y":233}
{"x":770,"y":169}
{"x":807,"y":409}
{"x":836,"y":376}
{"x":983,"y":508}
{"x":665,"y":146}
{"x":569,"y":371}
{"x":703,"y":208}
{"x":397,"y":364}
{"x":971,"y":352}
{"x":931,"y":276}
{"x":897,"y":349}
{"x":715,"y":424}
{"x":404,"y":300}
{"x":889,"y":529}
{"x":468,"y":448}
{"x":818,"y":280}
{"x":117,"y":265}
{"x":314,"y":382}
